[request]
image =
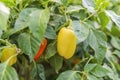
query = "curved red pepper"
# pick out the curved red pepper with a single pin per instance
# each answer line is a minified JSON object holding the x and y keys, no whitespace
{"x":41,"y":49}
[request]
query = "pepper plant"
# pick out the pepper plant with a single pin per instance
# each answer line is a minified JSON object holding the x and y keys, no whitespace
{"x":60,"y":39}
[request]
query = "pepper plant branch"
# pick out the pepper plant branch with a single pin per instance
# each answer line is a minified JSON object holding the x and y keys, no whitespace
{"x":97,"y":12}
{"x":5,"y":42}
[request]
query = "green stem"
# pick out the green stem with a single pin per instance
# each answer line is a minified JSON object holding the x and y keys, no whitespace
{"x":45,"y":3}
{"x":66,"y":16}
{"x":34,"y":63}
{"x":3,"y":47}
{"x":5,"y":42}
{"x":89,"y":60}
{"x":11,"y":57}
{"x":83,"y":75}
{"x":97,"y":11}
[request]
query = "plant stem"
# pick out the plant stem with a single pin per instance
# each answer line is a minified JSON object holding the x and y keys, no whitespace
{"x":97,"y":11}
{"x":5,"y":42}
{"x":88,"y":61}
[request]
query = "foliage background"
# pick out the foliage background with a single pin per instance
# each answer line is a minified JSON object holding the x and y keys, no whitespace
{"x":96,"y":24}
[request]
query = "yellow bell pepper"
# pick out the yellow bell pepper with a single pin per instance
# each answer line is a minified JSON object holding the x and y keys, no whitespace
{"x":66,"y":42}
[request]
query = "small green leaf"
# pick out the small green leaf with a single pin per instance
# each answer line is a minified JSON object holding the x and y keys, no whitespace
{"x":101,"y":4}
{"x":38,"y":72}
{"x":89,"y":67}
{"x":65,"y":2}
{"x":112,"y":73}
{"x":81,"y":30}
{"x":7,"y":72}
{"x":69,"y":75}
{"x":115,"y":31}
{"x":24,"y":44}
{"x":23,"y":19}
{"x":104,"y":20}
{"x":50,"y":33}
{"x":51,"y":50}
{"x":116,"y":52}
{"x":56,"y":62}
{"x":91,"y":77}
{"x":21,"y":22}
{"x":99,"y":71}
{"x":71,"y":9}
{"x":9,"y":3}
{"x":115,"y":18}
{"x":4,"y":15}
{"x":115,"y":41}
{"x":89,"y":4}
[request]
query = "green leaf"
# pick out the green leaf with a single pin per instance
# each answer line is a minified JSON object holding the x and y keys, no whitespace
{"x":29,"y":45}
{"x":115,"y":18}
{"x":38,"y":72}
{"x":24,"y":44}
{"x":4,"y":15}
{"x":101,"y":4}
{"x":89,"y":67}
{"x":21,"y":22}
{"x":51,"y":50}
{"x":23,"y":19}
{"x":9,"y":3}
{"x":69,"y":75}
{"x":104,"y":20}
{"x":98,"y":2}
{"x":81,"y":30}
{"x":57,"y":1}
{"x":50,"y":33}
{"x":71,"y":9}
{"x":115,"y":31}
{"x":89,"y":4}
{"x":91,"y":77}
{"x":99,"y":71}
{"x":66,"y":2}
{"x":117,"y":9}
{"x":56,"y":62}
{"x":97,"y":40}
{"x":38,"y":23}
{"x":115,"y":41}
{"x":112,"y":73}
{"x":7,"y":72}
{"x":116,"y":52}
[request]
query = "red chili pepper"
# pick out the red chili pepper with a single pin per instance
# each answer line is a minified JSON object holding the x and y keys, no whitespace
{"x":41,"y":49}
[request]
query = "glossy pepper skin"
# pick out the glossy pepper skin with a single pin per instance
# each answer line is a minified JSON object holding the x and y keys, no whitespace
{"x":66,"y":42}
{"x":7,"y":53}
{"x":41,"y":49}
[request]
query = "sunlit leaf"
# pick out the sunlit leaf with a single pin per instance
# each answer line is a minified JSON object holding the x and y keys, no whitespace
{"x":69,"y":75}
{"x":89,"y":4}
{"x":74,"y":8}
{"x":115,"y":41}
{"x":38,"y":23}
{"x":81,"y":30}
{"x":4,"y":15}
{"x":97,"y":40}
{"x":115,"y":18}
